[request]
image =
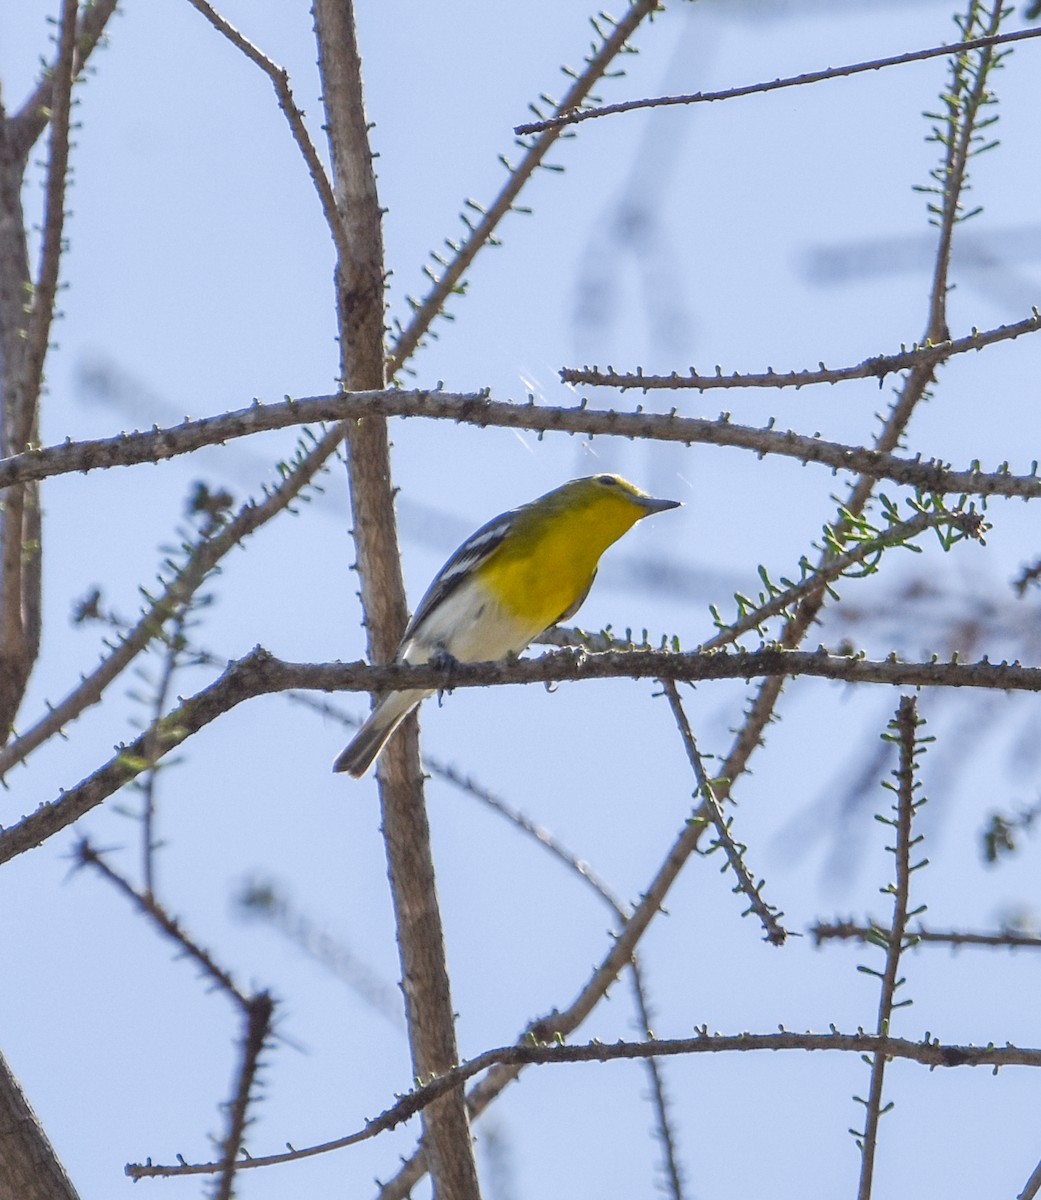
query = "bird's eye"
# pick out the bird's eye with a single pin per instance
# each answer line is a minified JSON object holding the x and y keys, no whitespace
{"x":607,"y":480}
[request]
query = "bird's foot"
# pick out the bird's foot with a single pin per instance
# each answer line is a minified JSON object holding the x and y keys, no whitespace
{"x":441,"y":658}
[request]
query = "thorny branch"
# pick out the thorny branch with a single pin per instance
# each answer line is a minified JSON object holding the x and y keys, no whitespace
{"x":258,"y":1011}
{"x":748,"y":739}
{"x":206,"y":555}
{"x":259,"y":673}
{"x":753,"y":89}
{"x":931,"y":1053}
{"x":26,"y":316}
{"x":279,"y":77}
{"x":42,"y":306}
{"x":359,"y":283}
{"x":905,"y":726}
{"x":30,"y":121}
{"x":482,"y":233}
{"x":150,"y":907}
{"x":544,"y":838}
{"x":877,"y":367}
{"x":1007,"y":939}
{"x":776,"y":934}
{"x":477,"y":409}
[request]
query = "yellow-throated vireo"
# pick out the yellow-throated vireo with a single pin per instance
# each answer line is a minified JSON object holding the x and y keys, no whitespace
{"x":515,"y":577}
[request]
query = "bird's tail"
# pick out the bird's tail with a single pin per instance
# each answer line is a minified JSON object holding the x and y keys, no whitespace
{"x":367,"y":743}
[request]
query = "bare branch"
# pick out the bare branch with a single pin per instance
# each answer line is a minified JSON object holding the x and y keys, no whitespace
{"x":250,"y":517}
{"x":554,"y":846}
{"x":174,"y":641}
{"x":26,"y":314}
{"x":481,"y":233}
{"x":906,"y":734}
{"x":931,"y":1053}
{"x":963,"y":110}
{"x":841,"y":931}
{"x":588,"y":114}
{"x":259,"y":1013}
{"x":360,"y":274}
{"x":1033,"y":1185}
{"x":41,"y":310}
{"x":29,"y":1167}
{"x":31,"y":119}
{"x":279,"y":77}
{"x":259,"y":673}
{"x":475,"y":408}
{"x":170,"y":927}
{"x":877,"y":367}
{"x":666,"y":1136}
{"x":776,"y":934}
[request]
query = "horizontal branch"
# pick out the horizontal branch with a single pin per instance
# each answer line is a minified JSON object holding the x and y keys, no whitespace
{"x":753,"y":89}
{"x":877,"y":367}
{"x":931,"y":1053}
{"x":475,"y":408}
{"x":259,"y":673}
{"x":1007,"y":939}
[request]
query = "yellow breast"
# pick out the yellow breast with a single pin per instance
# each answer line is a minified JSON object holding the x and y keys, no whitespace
{"x":543,"y":573}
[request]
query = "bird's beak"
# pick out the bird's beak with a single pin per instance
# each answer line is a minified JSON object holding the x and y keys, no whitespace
{"x":656,"y":506}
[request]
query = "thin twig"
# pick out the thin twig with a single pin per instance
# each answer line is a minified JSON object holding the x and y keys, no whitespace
{"x":961,"y":129}
{"x":1033,"y":1185}
{"x":754,"y":89}
{"x":481,"y":233}
{"x":147,"y":904}
{"x":829,"y":571}
{"x":154,"y":749}
{"x":666,"y":1136}
{"x":840,"y":931}
{"x":294,"y":116}
{"x":906,"y":727}
{"x":262,"y":900}
{"x":41,"y":310}
{"x":554,"y":846}
{"x":931,"y":1053}
{"x":877,"y":367}
{"x":538,"y":833}
{"x":776,"y":934}
{"x":31,"y":120}
{"x":259,"y":1012}
{"x":249,"y":518}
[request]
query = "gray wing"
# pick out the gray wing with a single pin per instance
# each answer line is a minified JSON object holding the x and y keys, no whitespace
{"x":476,"y":549}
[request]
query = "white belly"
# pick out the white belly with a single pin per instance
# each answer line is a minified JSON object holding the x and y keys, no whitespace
{"x":469,"y":626}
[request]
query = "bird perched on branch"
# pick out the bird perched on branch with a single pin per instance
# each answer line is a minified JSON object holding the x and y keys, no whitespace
{"x":524,"y":571}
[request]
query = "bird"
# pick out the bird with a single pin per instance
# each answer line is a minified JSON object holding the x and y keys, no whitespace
{"x":518,"y":575}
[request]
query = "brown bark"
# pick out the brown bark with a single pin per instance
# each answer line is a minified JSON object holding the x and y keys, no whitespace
{"x":359,"y":285}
